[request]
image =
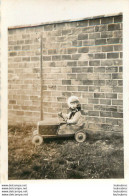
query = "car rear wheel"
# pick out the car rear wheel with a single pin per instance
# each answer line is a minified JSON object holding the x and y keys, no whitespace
{"x":37,"y":140}
{"x":80,"y":136}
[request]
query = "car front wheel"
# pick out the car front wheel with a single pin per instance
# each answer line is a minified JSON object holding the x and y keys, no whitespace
{"x":80,"y":136}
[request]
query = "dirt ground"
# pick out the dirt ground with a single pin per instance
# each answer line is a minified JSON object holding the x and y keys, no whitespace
{"x":63,"y":158}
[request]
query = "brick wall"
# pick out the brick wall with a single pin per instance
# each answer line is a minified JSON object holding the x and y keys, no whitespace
{"x":82,"y":58}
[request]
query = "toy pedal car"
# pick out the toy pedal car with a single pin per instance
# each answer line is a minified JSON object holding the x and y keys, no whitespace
{"x":54,"y":128}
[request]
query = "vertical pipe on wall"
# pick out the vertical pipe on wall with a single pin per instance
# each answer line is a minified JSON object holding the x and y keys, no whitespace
{"x":41,"y":59}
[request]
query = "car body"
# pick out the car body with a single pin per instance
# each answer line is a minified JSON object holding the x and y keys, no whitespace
{"x":50,"y":128}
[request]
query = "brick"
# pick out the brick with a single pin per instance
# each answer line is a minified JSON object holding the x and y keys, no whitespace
{"x":95,"y":49}
{"x":55,"y":58}
{"x":87,"y":95}
{"x":76,"y":82}
{"x":82,"y":36}
{"x":100,"y":41}
{"x":112,"y":55}
{"x":52,"y":51}
{"x":117,"y":102}
{"x":93,"y":101}
{"x":72,"y":24}
{"x":107,"y":34}
{"x":94,"y":35}
{"x":13,"y":54}
{"x":100,"y":56}
{"x":99,"y":82}
{"x":66,"y":82}
{"x":120,"y":109}
{"x":76,"y":43}
{"x":120,"y":96}
{"x":81,"y":76}
{"x":107,"y":48}
{"x":112,"y":121}
{"x":118,"y":89}
{"x":35,"y":59}
{"x":66,"y":94}
{"x":105,"y":108}
{"x":111,"y":83}
{"x":12,"y":101}
{"x":20,"y":42}
{"x":121,"y":54}
{"x":107,"y":20}
{"x":82,"y":88}
{"x":94,"y":63}
{"x":66,"y":57}
{"x":82,"y":63}
{"x":12,"y":43}
{"x":87,"y":107}
{"x":71,"y":50}
{"x":72,"y":63}
{"x":111,"y":69}
{"x":83,"y":50}
{"x":118,"y":47}
{"x":20,"y":113}
{"x":25,"y":36}
{"x":87,"y":82}
{"x":118,"y":18}
{"x":93,"y":113}
{"x":88,"y":29}
{"x":105,"y":101}
{"x":82,"y":23}
{"x":99,"y":69}
{"x":111,"y":95}
{"x":60,"y":39}
{"x":28,"y":41}
{"x":117,"y":76}
{"x":113,"y":27}
{"x":76,"y":56}
{"x":57,"y":33}
{"x":114,"y":40}
{"x":105,"y":114}
{"x":27,"y":47}
{"x":88,"y":42}
{"x":94,"y":89}
{"x":94,"y":22}
{"x":87,"y":69}
{"x":99,"y":95}
{"x":111,"y":62}
{"x":72,"y":88}
{"x":76,"y":70}
{"x":120,"y":82}
{"x":17,"y":47}
{"x":15,"y":59}
{"x":117,"y":115}
{"x":48,"y":27}
{"x":71,"y":76}
{"x":26,"y":59}
{"x":101,"y":28}
{"x":66,"y":32}
{"x":118,"y":34}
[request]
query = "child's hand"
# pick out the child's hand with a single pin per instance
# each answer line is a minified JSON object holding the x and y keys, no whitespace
{"x":60,"y":114}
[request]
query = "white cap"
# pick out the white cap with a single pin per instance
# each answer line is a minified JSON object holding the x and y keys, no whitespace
{"x":72,"y":99}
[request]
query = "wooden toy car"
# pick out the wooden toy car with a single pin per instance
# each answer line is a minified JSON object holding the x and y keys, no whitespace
{"x":54,"y":128}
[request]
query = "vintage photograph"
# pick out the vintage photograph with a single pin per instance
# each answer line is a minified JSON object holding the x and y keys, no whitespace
{"x":65,"y":99}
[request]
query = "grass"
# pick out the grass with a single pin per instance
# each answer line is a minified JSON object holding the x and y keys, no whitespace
{"x":63,"y":158}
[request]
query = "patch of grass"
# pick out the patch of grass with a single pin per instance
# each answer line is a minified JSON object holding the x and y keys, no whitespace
{"x":63,"y":158}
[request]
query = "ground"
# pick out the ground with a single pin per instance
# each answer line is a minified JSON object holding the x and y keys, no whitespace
{"x":63,"y":158}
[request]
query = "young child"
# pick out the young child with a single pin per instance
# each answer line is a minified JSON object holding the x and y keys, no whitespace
{"x":74,"y":118}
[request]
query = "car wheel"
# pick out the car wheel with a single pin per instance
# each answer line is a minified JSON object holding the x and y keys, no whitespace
{"x":37,"y":140}
{"x":80,"y":136}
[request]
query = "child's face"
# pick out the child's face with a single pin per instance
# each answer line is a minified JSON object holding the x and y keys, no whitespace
{"x":73,"y":105}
